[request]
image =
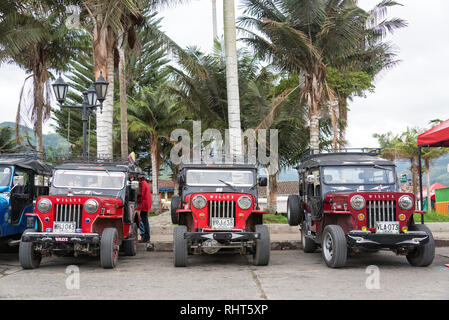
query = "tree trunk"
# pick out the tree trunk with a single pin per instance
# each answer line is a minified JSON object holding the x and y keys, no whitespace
{"x":343,"y":114}
{"x":175,"y":171}
{"x":272,"y":197}
{"x":232,"y":80}
{"x":414,"y":176}
{"x":123,"y":104}
{"x":214,"y":19}
{"x":39,"y":109}
{"x":104,"y":63}
{"x":314,"y":132}
{"x":154,"y":151}
{"x":429,"y":197}
{"x":334,"y":117}
{"x":313,"y":96}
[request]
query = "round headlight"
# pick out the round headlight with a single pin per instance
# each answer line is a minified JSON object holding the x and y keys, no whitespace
{"x":358,"y":202}
{"x":406,"y":202}
{"x":199,"y":202}
{"x":244,"y":202}
{"x":91,"y":206}
{"x":44,"y":205}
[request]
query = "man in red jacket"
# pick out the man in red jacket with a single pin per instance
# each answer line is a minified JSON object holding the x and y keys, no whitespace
{"x":144,"y":205}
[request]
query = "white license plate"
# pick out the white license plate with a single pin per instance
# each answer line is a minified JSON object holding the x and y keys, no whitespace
{"x":64,"y":227}
{"x":387,"y":227}
{"x":222,"y":223}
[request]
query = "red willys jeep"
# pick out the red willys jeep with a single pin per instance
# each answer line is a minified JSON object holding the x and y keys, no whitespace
{"x":217,"y":210}
{"x":349,"y":202}
{"x":90,"y":210}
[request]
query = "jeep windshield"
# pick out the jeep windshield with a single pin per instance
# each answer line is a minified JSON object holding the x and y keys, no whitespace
{"x":220,"y":178}
{"x":5,"y":175}
{"x":92,"y":180}
{"x":362,"y":178}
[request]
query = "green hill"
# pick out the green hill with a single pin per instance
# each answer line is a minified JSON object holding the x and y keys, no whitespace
{"x":53,"y":143}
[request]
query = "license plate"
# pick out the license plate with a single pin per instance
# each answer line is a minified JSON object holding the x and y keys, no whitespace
{"x":222,"y":223}
{"x":387,"y":227}
{"x":64,"y":227}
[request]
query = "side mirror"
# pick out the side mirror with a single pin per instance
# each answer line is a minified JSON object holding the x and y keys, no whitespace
{"x":134,"y":185}
{"x":311,"y":179}
{"x":263,"y":181}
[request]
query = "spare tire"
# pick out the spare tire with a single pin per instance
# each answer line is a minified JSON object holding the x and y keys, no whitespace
{"x":173,"y":207}
{"x":295,"y":212}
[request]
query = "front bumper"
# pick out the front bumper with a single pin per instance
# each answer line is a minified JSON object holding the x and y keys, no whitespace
{"x":369,"y":240}
{"x":67,"y":238}
{"x":222,"y":236}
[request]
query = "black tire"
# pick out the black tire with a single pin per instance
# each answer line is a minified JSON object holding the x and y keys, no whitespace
{"x":262,"y":250}
{"x":180,"y":246}
{"x":308,"y":245}
{"x":424,"y":254}
{"x":130,"y":245}
{"x":293,"y":210}
{"x":109,"y":248}
{"x":173,"y":207}
{"x":29,"y":259}
{"x":334,"y":247}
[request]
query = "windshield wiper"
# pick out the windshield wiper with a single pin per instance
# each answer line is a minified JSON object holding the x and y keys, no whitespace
{"x":382,"y":168}
{"x":228,"y":184}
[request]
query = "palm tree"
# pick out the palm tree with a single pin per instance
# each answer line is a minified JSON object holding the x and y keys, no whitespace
{"x":305,"y":37}
{"x":358,"y":70}
{"x":108,"y":20}
{"x":35,"y":38}
{"x":154,"y":114}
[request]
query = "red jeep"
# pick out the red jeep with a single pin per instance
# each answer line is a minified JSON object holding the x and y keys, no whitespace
{"x":217,"y":209}
{"x":349,"y":202}
{"x":90,"y":210}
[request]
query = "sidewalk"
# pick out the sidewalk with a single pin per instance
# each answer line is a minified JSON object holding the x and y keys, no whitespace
{"x":282,"y":236}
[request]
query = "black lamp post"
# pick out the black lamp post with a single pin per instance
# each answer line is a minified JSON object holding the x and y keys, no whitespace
{"x":96,"y":92}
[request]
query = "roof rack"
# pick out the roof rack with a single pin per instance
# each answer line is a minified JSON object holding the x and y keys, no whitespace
{"x":319,"y":152}
{"x":22,"y":153}
{"x":225,"y":159}
{"x":115,"y":160}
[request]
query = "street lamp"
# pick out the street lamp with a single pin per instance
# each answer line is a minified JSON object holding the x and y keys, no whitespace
{"x":96,"y":92}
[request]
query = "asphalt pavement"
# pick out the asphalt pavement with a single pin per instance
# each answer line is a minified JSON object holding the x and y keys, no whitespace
{"x":291,"y":274}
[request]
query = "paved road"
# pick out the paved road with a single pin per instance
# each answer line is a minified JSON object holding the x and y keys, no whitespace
{"x":290,"y":275}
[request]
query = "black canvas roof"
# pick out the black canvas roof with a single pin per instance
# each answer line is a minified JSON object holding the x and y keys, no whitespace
{"x":343,"y":159}
{"x":29,"y":163}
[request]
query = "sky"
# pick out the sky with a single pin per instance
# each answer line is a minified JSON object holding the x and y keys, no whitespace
{"x":409,"y":95}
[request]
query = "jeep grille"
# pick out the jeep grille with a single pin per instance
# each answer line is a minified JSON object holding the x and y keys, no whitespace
{"x":222,"y":209}
{"x":380,"y":211}
{"x":69,"y":213}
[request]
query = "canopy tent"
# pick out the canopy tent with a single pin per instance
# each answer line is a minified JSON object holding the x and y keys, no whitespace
{"x":438,"y":136}
{"x":433,"y":187}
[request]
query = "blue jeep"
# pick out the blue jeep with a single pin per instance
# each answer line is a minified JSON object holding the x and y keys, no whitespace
{"x":23,"y":177}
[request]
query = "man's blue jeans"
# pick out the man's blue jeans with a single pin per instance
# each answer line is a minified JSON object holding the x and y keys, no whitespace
{"x":144,"y":226}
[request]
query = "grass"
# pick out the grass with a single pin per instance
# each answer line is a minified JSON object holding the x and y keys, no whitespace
{"x":432,"y":217}
{"x":274,"y":219}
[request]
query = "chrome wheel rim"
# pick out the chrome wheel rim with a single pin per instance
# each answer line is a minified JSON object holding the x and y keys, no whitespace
{"x":328,"y":247}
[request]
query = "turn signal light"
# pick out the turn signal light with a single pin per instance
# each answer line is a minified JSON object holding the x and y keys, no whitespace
{"x":241,"y":216}
{"x":202,"y":215}
{"x":402,"y":217}
{"x":364,"y":229}
{"x":361,"y":217}
{"x":404,"y":229}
